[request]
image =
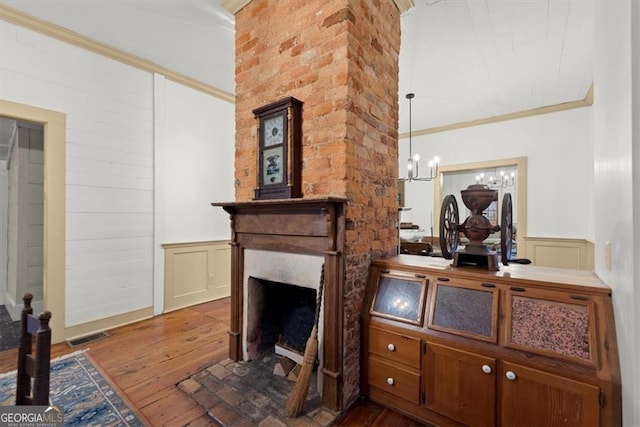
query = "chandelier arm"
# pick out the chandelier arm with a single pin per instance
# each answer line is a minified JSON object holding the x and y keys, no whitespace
{"x":413,"y":162}
{"x":410,"y":97}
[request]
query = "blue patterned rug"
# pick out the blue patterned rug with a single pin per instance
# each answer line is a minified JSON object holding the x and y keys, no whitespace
{"x":87,"y":397}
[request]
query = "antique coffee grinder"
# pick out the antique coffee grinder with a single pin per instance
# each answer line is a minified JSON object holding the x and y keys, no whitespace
{"x":476,"y":228}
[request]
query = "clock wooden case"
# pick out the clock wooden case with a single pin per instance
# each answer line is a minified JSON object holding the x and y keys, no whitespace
{"x":279,"y":171}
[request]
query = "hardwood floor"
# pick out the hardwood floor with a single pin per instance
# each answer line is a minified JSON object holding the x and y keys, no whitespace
{"x":147,"y":359}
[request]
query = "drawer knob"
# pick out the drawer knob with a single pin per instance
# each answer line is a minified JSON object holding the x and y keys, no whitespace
{"x":391,"y":347}
{"x":486,"y":369}
{"x":390,"y":381}
{"x":510,"y":375}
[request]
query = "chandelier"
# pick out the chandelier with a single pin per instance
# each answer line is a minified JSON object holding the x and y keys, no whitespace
{"x":501,"y":181}
{"x":413,"y":162}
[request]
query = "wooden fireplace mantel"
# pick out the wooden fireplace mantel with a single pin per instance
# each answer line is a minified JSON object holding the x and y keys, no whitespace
{"x":312,"y":226}
{"x":309,"y":226}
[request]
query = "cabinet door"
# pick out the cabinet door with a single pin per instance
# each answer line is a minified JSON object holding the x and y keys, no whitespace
{"x":460,"y":385}
{"x":534,"y":398}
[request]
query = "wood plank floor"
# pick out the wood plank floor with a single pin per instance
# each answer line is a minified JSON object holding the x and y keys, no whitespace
{"x":147,"y":359}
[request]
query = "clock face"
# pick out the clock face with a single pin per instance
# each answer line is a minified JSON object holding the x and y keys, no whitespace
{"x":273,"y":131}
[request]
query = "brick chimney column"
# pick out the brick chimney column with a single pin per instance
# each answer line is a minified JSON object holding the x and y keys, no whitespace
{"x":340,"y":57}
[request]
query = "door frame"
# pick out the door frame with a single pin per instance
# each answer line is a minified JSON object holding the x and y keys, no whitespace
{"x":54,"y":247}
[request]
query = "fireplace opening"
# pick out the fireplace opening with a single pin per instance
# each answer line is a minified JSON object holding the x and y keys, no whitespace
{"x":279,"y":316}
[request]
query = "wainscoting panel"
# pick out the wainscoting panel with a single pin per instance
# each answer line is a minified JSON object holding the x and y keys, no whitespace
{"x":196,"y":272}
{"x":562,"y":253}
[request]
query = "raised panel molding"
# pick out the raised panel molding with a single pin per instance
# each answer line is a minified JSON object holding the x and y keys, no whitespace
{"x":560,"y":252}
{"x":196,"y":272}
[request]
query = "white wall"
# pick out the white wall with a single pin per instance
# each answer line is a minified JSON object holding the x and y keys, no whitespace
{"x":24,"y":220}
{"x":194,"y":158}
{"x":34,"y":163}
{"x":559,"y":151}
{"x":4,"y":213}
{"x":196,"y":153}
{"x":109,"y":179}
{"x":633,"y":412}
{"x":615,"y":191}
{"x":111,"y":125}
{"x":15,"y":274}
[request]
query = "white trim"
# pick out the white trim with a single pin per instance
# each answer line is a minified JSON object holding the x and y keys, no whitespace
{"x":234,"y":6}
{"x":24,"y":20}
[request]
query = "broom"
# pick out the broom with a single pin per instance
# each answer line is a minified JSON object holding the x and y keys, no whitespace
{"x":295,"y":403}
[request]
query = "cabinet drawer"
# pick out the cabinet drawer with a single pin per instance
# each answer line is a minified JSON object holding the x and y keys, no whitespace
{"x":395,"y":347}
{"x":395,"y":380}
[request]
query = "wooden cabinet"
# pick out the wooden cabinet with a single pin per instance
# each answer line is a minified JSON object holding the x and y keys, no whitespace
{"x":394,"y":379}
{"x":524,"y":346}
{"x":531,"y":397}
{"x":396,"y":348}
{"x":551,"y":323}
{"x":394,"y":362}
{"x":464,"y":308}
{"x":460,"y":385}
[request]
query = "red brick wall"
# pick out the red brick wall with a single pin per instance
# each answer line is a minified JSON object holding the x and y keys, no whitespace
{"x":340,"y":57}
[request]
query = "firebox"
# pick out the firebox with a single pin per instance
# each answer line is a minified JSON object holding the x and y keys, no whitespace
{"x":280,"y":317}
{"x":280,"y":302}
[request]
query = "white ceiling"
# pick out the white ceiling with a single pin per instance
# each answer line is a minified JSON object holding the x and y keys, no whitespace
{"x":468,"y":60}
{"x":463,"y":59}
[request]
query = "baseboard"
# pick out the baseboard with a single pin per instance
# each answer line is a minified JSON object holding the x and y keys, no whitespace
{"x":15,"y":309}
{"x":95,"y":326}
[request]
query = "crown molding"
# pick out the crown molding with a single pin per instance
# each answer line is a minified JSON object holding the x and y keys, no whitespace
{"x":404,"y":5}
{"x":586,"y":102}
{"x":589,"y":98}
{"x":51,"y":30}
{"x":234,"y":6}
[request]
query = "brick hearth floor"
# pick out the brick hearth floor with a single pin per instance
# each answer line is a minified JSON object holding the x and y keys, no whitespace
{"x":247,"y":393}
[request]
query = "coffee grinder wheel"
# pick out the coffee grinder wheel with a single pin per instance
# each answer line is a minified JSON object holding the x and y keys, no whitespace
{"x":506,"y":229}
{"x":449,"y":220}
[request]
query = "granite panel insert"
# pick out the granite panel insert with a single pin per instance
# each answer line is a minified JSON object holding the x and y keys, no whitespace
{"x":553,"y":326}
{"x":463,"y":309}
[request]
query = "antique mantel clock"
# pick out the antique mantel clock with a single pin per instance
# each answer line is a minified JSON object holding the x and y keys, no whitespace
{"x":279,"y":172}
